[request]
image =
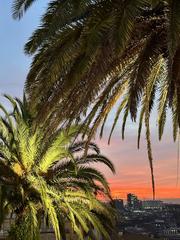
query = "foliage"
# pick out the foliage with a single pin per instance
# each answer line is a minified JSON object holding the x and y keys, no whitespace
{"x":84,"y":49}
{"x":49,"y":178}
{"x":99,"y":53}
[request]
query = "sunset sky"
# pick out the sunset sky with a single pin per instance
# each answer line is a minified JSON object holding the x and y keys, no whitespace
{"x":132,"y":169}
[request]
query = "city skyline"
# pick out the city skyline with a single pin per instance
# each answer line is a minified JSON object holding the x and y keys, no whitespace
{"x":125,"y":199}
{"x":153,"y":219}
{"x":132,"y":167}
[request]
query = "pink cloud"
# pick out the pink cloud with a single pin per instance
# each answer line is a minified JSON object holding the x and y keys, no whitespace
{"x":132,"y":167}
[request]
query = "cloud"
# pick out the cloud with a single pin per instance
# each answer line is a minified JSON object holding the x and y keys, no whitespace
{"x":132,"y":166}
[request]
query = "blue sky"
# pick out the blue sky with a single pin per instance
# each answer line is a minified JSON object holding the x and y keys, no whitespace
{"x":131,"y":164}
{"x":13,"y":34}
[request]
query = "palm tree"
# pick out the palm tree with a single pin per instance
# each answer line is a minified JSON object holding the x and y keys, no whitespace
{"x":49,"y":178}
{"x":99,"y":53}
{"x":95,"y":45}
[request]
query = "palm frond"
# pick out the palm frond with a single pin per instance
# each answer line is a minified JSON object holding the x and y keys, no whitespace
{"x":21,"y":6}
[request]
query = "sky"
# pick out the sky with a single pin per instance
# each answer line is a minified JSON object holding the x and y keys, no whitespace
{"x":132,"y":168}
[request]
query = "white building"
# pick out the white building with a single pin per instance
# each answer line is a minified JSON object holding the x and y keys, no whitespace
{"x":152,"y":205}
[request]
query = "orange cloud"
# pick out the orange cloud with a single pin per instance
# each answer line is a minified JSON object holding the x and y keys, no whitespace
{"x":132,"y":167}
{"x":146,"y":192}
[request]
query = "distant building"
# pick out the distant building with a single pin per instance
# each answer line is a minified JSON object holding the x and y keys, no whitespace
{"x":118,"y":203}
{"x":173,"y":207}
{"x":152,"y":205}
{"x":133,"y":202}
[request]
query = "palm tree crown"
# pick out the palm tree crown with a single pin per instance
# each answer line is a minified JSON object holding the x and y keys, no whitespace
{"x":98,"y":53}
{"x":49,"y":178}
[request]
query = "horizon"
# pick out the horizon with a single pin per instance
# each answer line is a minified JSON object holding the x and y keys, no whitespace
{"x":168,"y":200}
{"x":132,"y":167}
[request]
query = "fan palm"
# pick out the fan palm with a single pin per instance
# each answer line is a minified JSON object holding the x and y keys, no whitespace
{"x":98,"y":53}
{"x":49,"y":178}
